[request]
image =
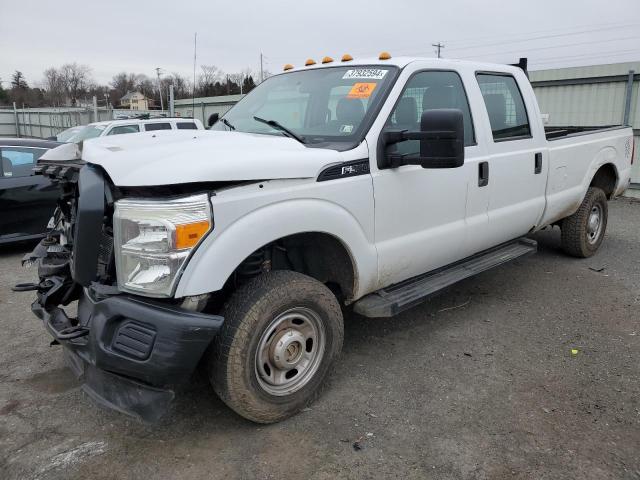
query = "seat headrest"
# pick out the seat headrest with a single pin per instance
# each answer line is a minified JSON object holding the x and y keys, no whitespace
{"x":438,"y":97}
{"x":350,"y":110}
{"x":407,"y":111}
{"x":497,"y":110}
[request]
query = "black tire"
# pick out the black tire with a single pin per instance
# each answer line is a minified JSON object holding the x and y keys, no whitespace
{"x":577,"y":238}
{"x":248,"y":314}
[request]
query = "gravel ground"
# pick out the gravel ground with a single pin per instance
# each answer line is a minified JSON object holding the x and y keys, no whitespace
{"x":480,"y":383}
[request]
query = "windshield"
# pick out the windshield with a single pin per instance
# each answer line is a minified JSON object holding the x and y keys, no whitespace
{"x":325,"y":105}
{"x":90,"y":131}
{"x":66,"y":135}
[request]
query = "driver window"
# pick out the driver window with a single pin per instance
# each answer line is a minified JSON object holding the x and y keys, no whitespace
{"x":428,"y":91}
{"x":18,"y":161}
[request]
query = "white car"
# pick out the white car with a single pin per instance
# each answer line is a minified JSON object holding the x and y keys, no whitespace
{"x":370,"y":184}
{"x":120,"y":127}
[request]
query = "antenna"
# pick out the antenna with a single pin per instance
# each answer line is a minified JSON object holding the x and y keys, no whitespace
{"x":193,"y":89}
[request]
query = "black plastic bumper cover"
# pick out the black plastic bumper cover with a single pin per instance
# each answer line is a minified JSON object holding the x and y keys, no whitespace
{"x":129,"y":352}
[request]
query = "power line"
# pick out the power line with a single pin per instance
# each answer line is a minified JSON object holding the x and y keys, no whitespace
{"x":549,"y":33}
{"x":551,"y":47}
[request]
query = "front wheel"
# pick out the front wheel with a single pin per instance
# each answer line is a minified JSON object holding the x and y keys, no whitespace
{"x":282,"y":332}
{"x":583,"y":232}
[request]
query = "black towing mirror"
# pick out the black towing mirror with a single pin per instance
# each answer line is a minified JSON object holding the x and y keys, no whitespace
{"x":441,"y":139}
{"x":213,"y":118}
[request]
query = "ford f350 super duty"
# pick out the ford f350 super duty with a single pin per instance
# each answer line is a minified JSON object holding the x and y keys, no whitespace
{"x":368,"y":184}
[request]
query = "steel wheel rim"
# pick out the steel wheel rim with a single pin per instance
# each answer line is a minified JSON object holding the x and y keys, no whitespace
{"x":594,"y":224}
{"x":290,"y":351}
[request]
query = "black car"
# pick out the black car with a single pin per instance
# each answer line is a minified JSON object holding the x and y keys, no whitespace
{"x":27,"y":201}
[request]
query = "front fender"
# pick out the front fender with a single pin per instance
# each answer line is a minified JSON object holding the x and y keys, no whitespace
{"x":222,"y":251}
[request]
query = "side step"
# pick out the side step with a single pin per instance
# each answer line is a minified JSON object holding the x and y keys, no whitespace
{"x":394,"y":299}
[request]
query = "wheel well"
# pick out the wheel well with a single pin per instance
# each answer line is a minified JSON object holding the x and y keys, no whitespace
{"x":318,"y":255}
{"x":606,"y":179}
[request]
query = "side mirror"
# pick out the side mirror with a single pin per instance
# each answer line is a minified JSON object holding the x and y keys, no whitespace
{"x":441,"y":139}
{"x":52,"y":137}
{"x":213,"y":118}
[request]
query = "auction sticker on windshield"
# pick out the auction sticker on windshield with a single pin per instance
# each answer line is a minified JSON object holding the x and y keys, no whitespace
{"x":365,"y":74}
{"x":361,"y":90}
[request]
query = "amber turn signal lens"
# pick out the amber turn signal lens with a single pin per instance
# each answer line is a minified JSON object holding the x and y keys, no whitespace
{"x":309,"y":62}
{"x":288,"y":66}
{"x":188,"y":235}
{"x":346,"y":57}
{"x":384,"y":56}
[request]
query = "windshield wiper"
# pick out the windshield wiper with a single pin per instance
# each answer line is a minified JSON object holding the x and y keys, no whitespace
{"x":277,"y":126}
{"x":227,"y":123}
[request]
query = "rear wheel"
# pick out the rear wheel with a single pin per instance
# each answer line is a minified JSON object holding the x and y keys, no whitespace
{"x":282,"y":332}
{"x":583,"y":232}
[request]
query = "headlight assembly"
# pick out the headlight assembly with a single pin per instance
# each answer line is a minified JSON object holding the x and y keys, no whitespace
{"x":153,"y":240}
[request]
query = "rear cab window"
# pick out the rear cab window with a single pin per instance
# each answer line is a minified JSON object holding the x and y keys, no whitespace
{"x":122,"y":129}
{"x":505,"y":106}
{"x":186,"y":126}
{"x":150,"y":127}
{"x":19,"y":161}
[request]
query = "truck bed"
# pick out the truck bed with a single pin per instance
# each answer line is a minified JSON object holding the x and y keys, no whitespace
{"x":553,"y":133}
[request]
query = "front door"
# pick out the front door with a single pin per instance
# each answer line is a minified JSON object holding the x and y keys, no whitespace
{"x":420,"y":214}
{"x":27,"y":201}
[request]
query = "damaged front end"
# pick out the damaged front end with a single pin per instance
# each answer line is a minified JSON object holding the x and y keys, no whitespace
{"x":129,"y":352}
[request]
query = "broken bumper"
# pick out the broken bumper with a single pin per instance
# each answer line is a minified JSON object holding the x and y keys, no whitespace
{"x":128,"y":352}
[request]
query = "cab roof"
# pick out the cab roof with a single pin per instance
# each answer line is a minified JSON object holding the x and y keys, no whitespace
{"x":403,"y":61}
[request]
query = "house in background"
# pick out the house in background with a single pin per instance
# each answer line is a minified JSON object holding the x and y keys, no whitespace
{"x":136,"y":101}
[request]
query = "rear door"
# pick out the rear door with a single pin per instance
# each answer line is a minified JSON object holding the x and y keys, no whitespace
{"x":518,"y":158}
{"x":27,"y":201}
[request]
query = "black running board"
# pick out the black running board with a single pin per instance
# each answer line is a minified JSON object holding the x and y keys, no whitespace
{"x":394,"y":299}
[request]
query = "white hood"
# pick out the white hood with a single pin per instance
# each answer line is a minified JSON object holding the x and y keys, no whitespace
{"x":163,"y":158}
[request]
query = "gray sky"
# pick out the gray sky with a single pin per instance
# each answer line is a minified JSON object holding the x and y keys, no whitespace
{"x":137,"y":36}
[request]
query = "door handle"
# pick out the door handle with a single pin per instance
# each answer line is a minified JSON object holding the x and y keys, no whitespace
{"x":538,"y":163}
{"x":483,"y":174}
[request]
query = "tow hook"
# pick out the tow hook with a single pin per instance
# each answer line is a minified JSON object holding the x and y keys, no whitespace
{"x":25,"y":287}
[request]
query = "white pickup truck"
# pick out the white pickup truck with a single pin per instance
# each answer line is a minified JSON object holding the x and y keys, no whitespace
{"x":366,"y":184}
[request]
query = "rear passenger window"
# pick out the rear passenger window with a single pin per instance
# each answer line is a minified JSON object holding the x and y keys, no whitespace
{"x":505,"y":106}
{"x":429,"y":91}
{"x":186,"y":126}
{"x":149,"y":127}
{"x":119,"y":130}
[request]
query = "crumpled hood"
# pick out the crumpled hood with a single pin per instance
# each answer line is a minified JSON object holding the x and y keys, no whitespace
{"x":163,"y":158}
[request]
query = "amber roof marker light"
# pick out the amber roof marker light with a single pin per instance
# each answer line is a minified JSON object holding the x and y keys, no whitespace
{"x":346,"y":57}
{"x":309,"y":62}
{"x":384,"y":56}
{"x":288,"y":66}
{"x":327,"y":60}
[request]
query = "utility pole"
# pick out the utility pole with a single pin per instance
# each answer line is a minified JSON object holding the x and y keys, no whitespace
{"x":193,"y":87}
{"x":261,"y":69}
{"x":158,"y":71}
{"x":438,"y":45}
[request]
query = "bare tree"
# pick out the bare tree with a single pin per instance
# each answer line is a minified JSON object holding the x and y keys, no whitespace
{"x":207,"y":79}
{"x":122,"y":83}
{"x":53,"y":84}
{"x":76,"y":80}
